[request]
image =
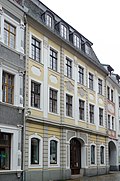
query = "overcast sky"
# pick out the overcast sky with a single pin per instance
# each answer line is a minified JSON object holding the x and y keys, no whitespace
{"x":98,"y":21}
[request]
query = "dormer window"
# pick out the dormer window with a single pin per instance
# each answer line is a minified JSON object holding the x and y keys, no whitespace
{"x":76,"y":41}
{"x":63,"y":31}
{"x":49,"y":21}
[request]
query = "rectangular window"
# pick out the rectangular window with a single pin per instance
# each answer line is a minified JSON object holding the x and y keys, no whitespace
{"x":53,"y":59}
{"x":108,"y":121}
{"x":92,"y":154}
{"x":81,"y":109}
{"x":111,"y":95}
{"x":102,"y":154}
{"x":100,"y":86}
{"x":91,"y":112}
{"x":90,"y":81}
{"x":49,"y":21}
{"x":76,"y":41}
{"x":35,"y":94}
{"x":63,"y":31}
{"x":9,"y":34}
{"x":53,"y":101}
{"x":53,"y":152}
{"x":108,"y":93}
{"x":113,"y":123}
{"x":8,"y":88}
{"x":5,"y":147}
{"x":34,"y":151}
{"x":119,"y":101}
{"x":100,"y":117}
{"x":68,"y":105}
{"x":36,"y":49}
{"x":69,"y":67}
{"x":81,"y":75}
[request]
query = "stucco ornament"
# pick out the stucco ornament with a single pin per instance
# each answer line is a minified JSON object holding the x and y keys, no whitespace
{"x":81,"y":91}
{"x":111,"y":108}
{"x":69,"y":86}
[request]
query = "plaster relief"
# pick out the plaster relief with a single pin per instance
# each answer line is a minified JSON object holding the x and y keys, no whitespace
{"x":100,"y":101}
{"x":53,"y":79}
{"x":111,"y":108}
{"x":92,"y":97}
{"x":81,"y":91}
{"x":69,"y":86}
{"x":36,"y":71}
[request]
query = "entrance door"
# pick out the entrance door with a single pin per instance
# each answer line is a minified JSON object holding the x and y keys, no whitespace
{"x":75,"y":156}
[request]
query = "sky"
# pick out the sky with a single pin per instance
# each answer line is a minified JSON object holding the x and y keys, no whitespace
{"x":98,"y":21}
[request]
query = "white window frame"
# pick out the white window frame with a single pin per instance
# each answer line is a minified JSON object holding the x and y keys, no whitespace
{"x":103,"y":117}
{"x":30,"y":47}
{"x":72,"y":104}
{"x":65,"y":69}
{"x":40,"y":151}
{"x":49,"y":20}
{"x":93,"y":81}
{"x":63,"y":31}
{"x":58,"y":100}
{"x":104,"y":154}
{"x":75,"y":37}
{"x":41,"y":94}
{"x":93,"y":144}
{"x":89,"y":113}
{"x":58,"y":152}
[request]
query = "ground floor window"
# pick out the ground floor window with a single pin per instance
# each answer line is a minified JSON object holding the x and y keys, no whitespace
{"x":5,"y":147}
{"x":34,"y":151}
{"x":53,"y":152}
{"x":92,"y":154}
{"x":102,"y":154}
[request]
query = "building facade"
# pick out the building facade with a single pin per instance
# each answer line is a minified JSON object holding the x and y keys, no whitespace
{"x":11,"y":89}
{"x":65,"y":100}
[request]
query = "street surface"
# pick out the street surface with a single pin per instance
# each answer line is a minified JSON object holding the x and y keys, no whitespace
{"x":109,"y":177}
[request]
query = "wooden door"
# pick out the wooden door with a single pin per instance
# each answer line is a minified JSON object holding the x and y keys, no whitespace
{"x":75,"y":156}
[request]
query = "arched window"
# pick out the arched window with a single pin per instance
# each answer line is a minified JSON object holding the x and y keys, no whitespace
{"x":35,"y":151}
{"x":102,"y":155}
{"x":53,"y":152}
{"x":92,"y":154}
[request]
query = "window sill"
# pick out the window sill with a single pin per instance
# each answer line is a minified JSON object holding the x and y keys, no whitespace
{"x":10,"y":171}
{"x":69,"y":117}
{"x":35,"y":61}
{"x":53,"y":166}
{"x":35,"y":166}
{"x":55,"y":114}
{"x":36,"y":109}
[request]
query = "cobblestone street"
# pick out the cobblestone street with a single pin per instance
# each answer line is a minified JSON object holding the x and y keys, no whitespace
{"x":109,"y":177}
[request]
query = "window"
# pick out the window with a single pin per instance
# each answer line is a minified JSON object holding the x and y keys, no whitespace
{"x":108,"y":121}
{"x":81,"y":75}
{"x":108,"y":93}
{"x":69,"y":68}
{"x":68,"y":105}
{"x":63,"y":31}
{"x":5,"y":147}
{"x":100,"y":86}
{"x":112,"y":123}
{"x":35,"y":94}
{"x":53,"y":59}
{"x":91,"y":112}
{"x":49,"y":21}
{"x":8,"y":88}
{"x":91,"y":81}
{"x":36,"y":49}
{"x":81,"y":109}
{"x":53,"y":152}
{"x":100,"y":117}
{"x":9,"y":34}
{"x":119,"y":101}
{"x":53,"y":101}
{"x":111,"y":95}
{"x":102,"y":155}
{"x":76,"y":41}
{"x":34,"y":151}
{"x":92,"y":154}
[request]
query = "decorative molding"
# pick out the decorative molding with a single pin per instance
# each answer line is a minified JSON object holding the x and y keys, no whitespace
{"x":111,"y":108}
{"x":69,"y":86}
{"x":53,"y":79}
{"x":36,"y":71}
{"x":92,"y":97}
{"x":81,"y":91}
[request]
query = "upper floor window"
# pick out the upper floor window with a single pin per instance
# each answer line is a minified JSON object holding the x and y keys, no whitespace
{"x":92,"y":154}
{"x":113,"y":123}
{"x":35,"y":94}
{"x":69,"y":67}
{"x":53,"y":59}
{"x":100,"y":117}
{"x":91,"y":113}
{"x":63,"y":31}
{"x":9,"y":34}
{"x":8,"y":88}
{"x":111,"y":95}
{"x":81,"y":109}
{"x":119,"y":101}
{"x":102,"y":155}
{"x":53,"y":101}
{"x":36,"y":49}
{"x":91,"y":81}
{"x":108,"y":121}
{"x":100,"y":86}
{"x":108,"y":93}
{"x":76,"y":41}
{"x":49,"y":21}
{"x":5,"y":151}
{"x":81,"y":75}
{"x":68,"y":105}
